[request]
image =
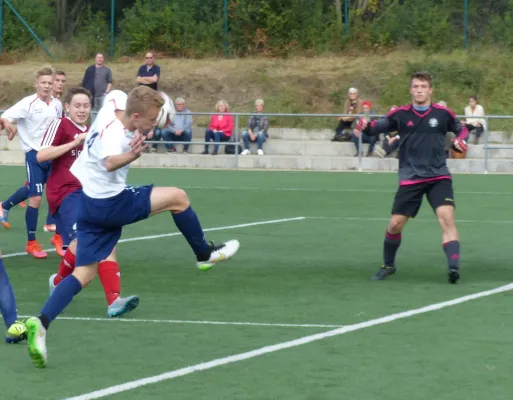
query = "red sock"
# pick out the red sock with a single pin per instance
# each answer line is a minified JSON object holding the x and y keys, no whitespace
{"x":66,"y":267}
{"x":111,"y":280}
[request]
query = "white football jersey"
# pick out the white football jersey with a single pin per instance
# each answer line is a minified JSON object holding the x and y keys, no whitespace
{"x":89,"y":168}
{"x":33,"y":116}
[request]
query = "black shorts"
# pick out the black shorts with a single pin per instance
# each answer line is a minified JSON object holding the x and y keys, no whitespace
{"x":409,"y":197}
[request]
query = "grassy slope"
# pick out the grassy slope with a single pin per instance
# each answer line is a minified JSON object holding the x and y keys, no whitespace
{"x":304,"y":84}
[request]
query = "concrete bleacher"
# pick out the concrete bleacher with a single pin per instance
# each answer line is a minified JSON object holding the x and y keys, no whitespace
{"x":295,"y":149}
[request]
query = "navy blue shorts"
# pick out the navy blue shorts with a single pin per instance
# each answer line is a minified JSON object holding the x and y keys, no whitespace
{"x":100,"y":221}
{"x":37,"y":173}
{"x":66,"y":217}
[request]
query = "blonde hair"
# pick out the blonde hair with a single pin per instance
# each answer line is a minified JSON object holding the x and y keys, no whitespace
{"x":222,"y":103}
{"x":142,"y":99}
{"x":259,"y":102}
{"x":45,"y":71}
{"x":442,"y":103}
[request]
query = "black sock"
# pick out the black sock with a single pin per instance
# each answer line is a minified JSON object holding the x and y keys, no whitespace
{"x":452,"y":251}
{"x":44,"y":320}
{"x":390,"y":247}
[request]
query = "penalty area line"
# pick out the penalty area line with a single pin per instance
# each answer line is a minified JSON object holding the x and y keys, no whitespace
{"x":131,"y":385}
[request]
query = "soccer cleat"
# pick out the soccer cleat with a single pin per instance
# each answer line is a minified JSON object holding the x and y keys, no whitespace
{"x":50,"y":228}
{"x":56,"y":240}
{"x":122,"y":305}
{"x":34,"y":249}
{"x":219,"y":253}
{"x":36,"y":337}
{"x":23,"y":204}
{"x":454,"y":275}
{"x":16,"y":333}
{"x":383,"y":273}
{"x":3,"y":217}
{"x":51,"y":283}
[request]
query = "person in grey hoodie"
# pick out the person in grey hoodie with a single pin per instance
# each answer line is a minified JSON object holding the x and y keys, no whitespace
{"x":180,"y":129}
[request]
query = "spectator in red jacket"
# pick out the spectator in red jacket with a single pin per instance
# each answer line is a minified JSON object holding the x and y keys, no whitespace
{"x":220,"y":128}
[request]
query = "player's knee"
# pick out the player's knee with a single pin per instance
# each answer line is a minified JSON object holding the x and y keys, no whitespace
{"x":35,"y":201}
{"x":396,"y":225}
{"x":181,"y":201}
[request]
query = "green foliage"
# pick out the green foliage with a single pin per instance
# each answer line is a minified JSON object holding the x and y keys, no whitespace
{"x":39,"y":16}
{"x":195,"y":28}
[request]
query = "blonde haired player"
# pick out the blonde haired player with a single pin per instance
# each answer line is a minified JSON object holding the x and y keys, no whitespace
{"x":62,"y":145}
{"x":108,"y":204}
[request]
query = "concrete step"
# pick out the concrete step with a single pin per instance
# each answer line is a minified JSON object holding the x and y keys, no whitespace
{"x":284,"y":162}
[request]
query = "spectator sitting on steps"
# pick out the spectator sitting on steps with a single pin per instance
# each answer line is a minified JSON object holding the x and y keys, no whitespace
{"x":475,"y":125}
{"x":353,"y":105}
{"x":256,"y":130}
{"x":370,"y":139}
{"x":220,"y":127}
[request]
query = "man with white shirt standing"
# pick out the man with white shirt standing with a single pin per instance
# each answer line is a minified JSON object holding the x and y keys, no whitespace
{"x":33,"y":115}
{"x":107,"y":204}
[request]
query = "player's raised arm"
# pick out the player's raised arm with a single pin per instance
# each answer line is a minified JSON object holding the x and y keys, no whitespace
{"x":137,"y":146}
{"x":18,"y":111}
{"x":384,"y":125}
{"x":52,"y":152}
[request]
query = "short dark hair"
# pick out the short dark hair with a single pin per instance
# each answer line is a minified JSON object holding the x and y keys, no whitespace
{"x":422,"y":76}
{"x":60,"y":72}
{"x":474,"y":98}
{"x":77,"y":90}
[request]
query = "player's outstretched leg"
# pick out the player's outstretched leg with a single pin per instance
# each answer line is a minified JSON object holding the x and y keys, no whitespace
{"x":18,"y":197}
{"x":58,"y":301}
{"x":450,"y":241}
{"x":390,"y":246}
{"x":110,"y":277}
{"x":176,"y":200}
{"x":16,"y":331}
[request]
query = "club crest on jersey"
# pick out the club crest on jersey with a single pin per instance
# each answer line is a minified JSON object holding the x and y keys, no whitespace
{"x":433,"y":122}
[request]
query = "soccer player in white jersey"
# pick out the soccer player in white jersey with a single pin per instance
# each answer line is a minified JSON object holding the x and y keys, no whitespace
{"x":33,"y":115}
{"x":108,"y":204}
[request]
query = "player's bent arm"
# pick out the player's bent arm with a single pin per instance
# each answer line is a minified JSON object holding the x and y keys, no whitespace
{"x":52,"y":152}
{"x":112,"y":163}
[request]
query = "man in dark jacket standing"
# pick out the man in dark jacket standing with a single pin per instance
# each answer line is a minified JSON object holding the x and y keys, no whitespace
{"x":98,"y":80}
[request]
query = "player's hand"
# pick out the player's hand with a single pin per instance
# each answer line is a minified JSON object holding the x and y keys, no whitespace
{"x":80,"y":138}
{"x":459,"y":145}
{"x":137,"y":144}
{"x":11,"y":129}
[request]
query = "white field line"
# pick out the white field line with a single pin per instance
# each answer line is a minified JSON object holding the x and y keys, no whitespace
{"x":335,"y":190}
{"x":461,"y":221}
{"x":284,"y":345}
{"x":193,"y":322}
{"x":219,"y":228}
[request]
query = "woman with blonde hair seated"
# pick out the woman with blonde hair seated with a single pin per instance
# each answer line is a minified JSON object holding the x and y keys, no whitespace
{"x":220,"y":127}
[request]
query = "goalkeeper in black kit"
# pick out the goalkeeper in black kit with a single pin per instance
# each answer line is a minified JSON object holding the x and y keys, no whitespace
{"x":423,"y":170}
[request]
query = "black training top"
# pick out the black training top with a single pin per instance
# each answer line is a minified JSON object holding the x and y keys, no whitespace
{"x":422,"y":144}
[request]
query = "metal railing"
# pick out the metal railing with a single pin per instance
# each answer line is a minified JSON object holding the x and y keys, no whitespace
{"x":236,"y":135}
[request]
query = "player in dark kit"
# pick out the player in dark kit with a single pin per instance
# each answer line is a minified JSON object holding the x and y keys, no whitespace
{"x":423,"y":170}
